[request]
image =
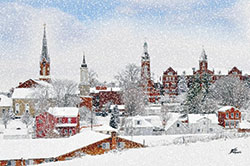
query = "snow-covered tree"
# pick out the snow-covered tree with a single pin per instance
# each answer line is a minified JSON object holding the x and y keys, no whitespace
{"x":27,"y":119}
{"x":230,"y":91}
{"x":93,"y":78}
{"x":194,"y":97}
{"x":165,"y":116}
{"x":60,"y":93}
{"x":182,"y":84}
{"x":6,"y":117}
{"x":64,"y":93}
{"x":87,"y":115}
{"x":114,"y":120}
{"x":133,"y":95}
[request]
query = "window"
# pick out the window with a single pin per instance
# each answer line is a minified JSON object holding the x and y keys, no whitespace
{"x":227,"y":115}
{"x":138,"y":122}
{"x":27,"y":108}
{"x":70,"y":132}
{"x":237,"y":124}
{"x":69,"y":120}
{"x":227,"y":123}
{"x":66,"y":131}
{"x":106,"y":145}
{"x":211,"y":129}
{"x":17,"y":108}
{"x":237,"y":115}
{"x":121,"y":145}
{"x":178,"y":125}
{"x":232,"y":124}
{"x":232,"y":115}
{"x":199,"y":130}
{"x":3,"y":110}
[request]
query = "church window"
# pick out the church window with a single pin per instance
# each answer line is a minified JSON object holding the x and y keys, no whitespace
{"x":17,"y":108}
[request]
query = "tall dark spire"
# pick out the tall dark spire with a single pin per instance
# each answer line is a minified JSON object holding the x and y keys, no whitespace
{"x":84,"y":64}
{"x":45,"y":54}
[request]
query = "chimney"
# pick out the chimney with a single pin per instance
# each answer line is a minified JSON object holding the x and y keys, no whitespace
{"x":113,"y":137}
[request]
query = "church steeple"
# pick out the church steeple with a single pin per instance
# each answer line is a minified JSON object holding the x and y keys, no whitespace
{"x":84,"y":85}
{"x":44,"y":59}
{"x":203,"y":56}
{"x":145,"y":63}
{"x":83,"y":61}
{"x":203,"y":60}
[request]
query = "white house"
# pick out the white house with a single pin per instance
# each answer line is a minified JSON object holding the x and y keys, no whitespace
{"x":176,"y":125}
{"x":203,"y":123}
{"x":136,"y":125}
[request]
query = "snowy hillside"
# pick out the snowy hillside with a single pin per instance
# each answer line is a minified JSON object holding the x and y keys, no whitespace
{"x":215,"y":153}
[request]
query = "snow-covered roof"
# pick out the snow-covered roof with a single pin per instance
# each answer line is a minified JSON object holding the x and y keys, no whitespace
{"x":114,"y":89}
{"x":46,"y":148}
{"x":225,"y":108}
{"x":23,"y":93}
{"x":66,"y":125}
{"x":104,"y":128}
{"x":194,"y":118}
{"x":5,"y":101}
{"x":120,"y":107}
{"x":173,"y":117}
{"x":244,"y":125}
{"x":64,"y":111}
{"x":137,"y":121}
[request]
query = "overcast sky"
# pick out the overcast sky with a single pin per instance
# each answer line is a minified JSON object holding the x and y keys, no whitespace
{"x":112,"y":32}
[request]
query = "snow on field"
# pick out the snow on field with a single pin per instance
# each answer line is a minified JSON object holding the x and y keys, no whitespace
{"x":214,"y":153}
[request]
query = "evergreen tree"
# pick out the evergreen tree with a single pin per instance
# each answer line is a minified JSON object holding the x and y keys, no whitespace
{"x":114,"y":120}
{"x":192,"y":102}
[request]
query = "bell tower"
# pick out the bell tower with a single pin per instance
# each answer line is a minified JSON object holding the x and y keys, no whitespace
{"x":45,"y":60}
{"x":84,"y":85}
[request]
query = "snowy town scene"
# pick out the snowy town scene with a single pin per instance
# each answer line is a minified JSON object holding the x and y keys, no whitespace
{"x":125,"y":82}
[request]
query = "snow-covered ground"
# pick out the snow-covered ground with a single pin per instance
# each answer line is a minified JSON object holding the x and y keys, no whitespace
{"x":214,"y":153}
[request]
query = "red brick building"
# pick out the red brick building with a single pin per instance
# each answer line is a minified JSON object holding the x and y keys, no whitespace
{"x":58,"y":122}
{"x":104,"y":96}
{"x":171,"y":78}
{"x":229,"y":117}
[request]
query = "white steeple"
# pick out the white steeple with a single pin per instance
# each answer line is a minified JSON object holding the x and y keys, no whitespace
{"x":84,"y":85}
{"x":203,"y":56}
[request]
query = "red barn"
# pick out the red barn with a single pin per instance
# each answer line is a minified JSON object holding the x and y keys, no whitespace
{"x":229,"y":117}
{"x":58,"y":121}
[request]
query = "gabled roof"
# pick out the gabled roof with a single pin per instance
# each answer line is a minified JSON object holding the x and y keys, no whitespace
{"x":63,"y":111}
{"x":225,"y":108}
{"x":194,"y":118}
{"x":23,"y":93}
{"x":170,"y":69}
{"x":46,"y":148}
{"x":132,"y":122}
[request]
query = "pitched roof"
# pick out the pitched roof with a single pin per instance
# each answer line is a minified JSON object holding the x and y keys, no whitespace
{"x":225,"y":108}
{"x":194,"y":118}
{"x":23,"y":93}
{"x":64,"y":111}
{"x":46,"y":148}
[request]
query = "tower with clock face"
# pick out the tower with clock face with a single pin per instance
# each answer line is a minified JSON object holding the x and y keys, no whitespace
{"x":45,"y":60}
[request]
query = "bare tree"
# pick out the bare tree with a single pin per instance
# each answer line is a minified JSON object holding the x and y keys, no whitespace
{"x":64,"y":93}
{"x":230,"y":91}
{"x":133,"y":95}
{"x":93,"y":78}
{"x":6,"y":117}
{"x":27,"y":119}
{"x":87,"y":115}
